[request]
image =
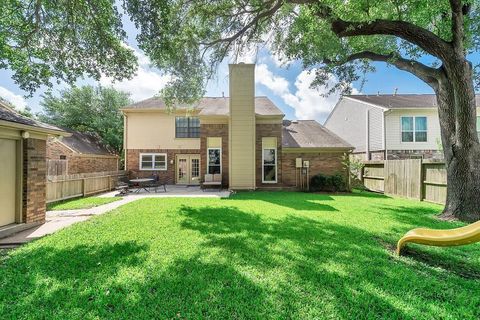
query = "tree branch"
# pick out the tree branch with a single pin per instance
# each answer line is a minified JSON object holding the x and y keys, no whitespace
{"x":457,"y":25}
{"x":421,"y":37}
{"x":428,"y":74}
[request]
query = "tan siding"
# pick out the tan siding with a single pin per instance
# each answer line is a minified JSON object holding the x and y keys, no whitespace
{"x":375,"y":124}
{"x":393,"y":132}
{"x":242,"y":127}
{"x":155,"y":130}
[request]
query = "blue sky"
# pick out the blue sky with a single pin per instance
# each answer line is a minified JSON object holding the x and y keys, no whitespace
{"x":287,"y":86}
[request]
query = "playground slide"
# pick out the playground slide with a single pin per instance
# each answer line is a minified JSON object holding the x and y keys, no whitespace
{"x":441,"y":238}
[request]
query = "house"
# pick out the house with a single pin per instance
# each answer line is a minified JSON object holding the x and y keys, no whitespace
{"x":241,"y":141}
{"x":396,"y":126}
{"x":79,"y":153}
{"x":23,"y":170}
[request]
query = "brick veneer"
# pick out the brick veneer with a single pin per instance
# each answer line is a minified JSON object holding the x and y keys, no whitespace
{"x":166,"y":176}
{"x":268,"y":130}
{"x":34,"y":181}
{"x":214,"y":130}
{"x":408,"y":154}
{"x":325,"y":163}
{"x":80,"y":163}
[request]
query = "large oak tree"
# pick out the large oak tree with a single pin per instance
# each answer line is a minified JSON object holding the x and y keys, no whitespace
{"x":335,"y":37}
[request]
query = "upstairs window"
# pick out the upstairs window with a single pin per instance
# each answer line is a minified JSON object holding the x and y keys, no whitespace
{"x":414,"y":129}
{"x":187,"y":127}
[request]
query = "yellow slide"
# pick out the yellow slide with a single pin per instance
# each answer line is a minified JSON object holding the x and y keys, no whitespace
{"x":441,"y":238}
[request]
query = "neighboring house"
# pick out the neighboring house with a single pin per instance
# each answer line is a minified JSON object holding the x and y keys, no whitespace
{"x":81,"y":153}
{"x":398,"y":126}
{"x":242,"y":141}
{"x":23,"y":170}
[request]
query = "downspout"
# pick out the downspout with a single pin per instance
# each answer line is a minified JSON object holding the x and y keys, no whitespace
{"x":385,"y":113}
{"x":125,"y":123}
{"x":367,"y":135}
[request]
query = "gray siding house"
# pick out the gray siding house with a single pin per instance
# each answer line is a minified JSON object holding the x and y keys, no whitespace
{"x":397,"y":126}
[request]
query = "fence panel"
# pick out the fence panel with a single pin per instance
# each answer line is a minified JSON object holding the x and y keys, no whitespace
{"x":57,"y":167}
{"x":78,"y":185}
{"x":412,"y":178}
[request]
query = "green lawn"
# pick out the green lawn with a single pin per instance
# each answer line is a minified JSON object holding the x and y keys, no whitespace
{"x":81,"y":203}
{"x":256,"y":255}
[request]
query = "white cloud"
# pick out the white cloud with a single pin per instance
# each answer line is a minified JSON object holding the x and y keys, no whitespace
{"x":16,"y":100}
{"x":145,"y":83}
{"x":308,"y":103}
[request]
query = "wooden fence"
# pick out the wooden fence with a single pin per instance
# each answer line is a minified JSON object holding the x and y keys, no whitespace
{"x":57,"y":167}
{"x":424,"y":180}
{"x":79,"y":185}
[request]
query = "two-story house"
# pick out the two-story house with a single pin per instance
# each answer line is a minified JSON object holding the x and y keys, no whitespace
{"x":397,"y":126}
{"x":242,"y":140}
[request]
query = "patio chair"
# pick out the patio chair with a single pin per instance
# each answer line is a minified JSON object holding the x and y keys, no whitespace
{"x":214,"y":180}
{"x":156,"y":183}
{"x":123,"y":186}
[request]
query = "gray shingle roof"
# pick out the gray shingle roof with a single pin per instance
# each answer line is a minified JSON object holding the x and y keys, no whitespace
{"x":86,"y":143}
{"x":310,"y":134}
{"x":10,"y":115}
{"x":402,"y":101}
{"x":215,"y":106}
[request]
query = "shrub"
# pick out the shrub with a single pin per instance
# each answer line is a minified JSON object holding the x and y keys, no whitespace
{"x":333,"y":183}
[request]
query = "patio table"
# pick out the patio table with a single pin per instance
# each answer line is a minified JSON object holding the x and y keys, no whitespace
{"x":141,"y":183}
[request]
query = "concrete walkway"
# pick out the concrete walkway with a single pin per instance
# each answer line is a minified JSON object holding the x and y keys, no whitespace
{"x":56,"y":220}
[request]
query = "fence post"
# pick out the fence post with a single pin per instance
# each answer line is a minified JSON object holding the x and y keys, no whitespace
{"x":84,"y":186}
{"x":422,"y":174}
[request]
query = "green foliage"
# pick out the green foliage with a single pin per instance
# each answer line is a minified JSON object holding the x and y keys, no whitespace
{"x":190,"y":38}
{"x":63,"y":40}
{"x":353,"y":165}
{"x":81,"y":203}
{"x":88,"y":109}
{"x":332,"y":183}
{"x":256,"y":255}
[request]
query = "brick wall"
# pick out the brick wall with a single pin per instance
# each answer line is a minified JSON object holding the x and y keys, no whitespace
{"x":268,"y":130}
{"x":167,"y":176}
{"x":34,"y":180}
{"x":325,"y":163}
{"x":77,"y":163}
{"x":417,"y":154}
{"x":214,"y":130}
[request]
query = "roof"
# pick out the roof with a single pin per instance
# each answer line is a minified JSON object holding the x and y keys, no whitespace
{"x":310,"y":134}
{"x":86,"y":143}
{"x":209,"y":106}
{"x":10,"y":115}
{"x":402,"y":101}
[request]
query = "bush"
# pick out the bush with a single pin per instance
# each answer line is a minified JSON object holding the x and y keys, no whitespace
{"x":333,"y":183}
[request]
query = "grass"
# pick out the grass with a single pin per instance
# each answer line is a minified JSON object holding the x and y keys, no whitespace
{"x":81,"y":203}
{"x":257,"y":255}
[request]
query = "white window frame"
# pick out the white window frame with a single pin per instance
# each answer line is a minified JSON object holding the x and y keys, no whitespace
{"x":263,"y":166}
{"x":154,"y":155}
{"x":414,"y":131}
{"x":208,"y":159}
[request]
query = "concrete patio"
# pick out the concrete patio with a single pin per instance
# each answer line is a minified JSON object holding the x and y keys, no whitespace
{"x":57,"y":220}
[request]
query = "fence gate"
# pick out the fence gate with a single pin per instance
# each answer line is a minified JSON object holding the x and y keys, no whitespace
{"x":404,"y":178}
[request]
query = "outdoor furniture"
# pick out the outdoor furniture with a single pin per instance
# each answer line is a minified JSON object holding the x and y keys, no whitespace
{"x":122,"y":186}
{"x":213,"y":180}
{"x":156,"y":183}
{"x":142,"y":183}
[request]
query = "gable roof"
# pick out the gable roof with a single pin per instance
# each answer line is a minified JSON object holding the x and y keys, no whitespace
{"x":209,"y":106}
{"x":401,"y":101}
{"x":10,"y":115}
{"x":310,"y":134}
{"x":86,"y":143}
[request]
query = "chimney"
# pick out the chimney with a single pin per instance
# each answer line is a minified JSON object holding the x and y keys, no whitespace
{"x":395,"y":92}
{"x":242,"y":126}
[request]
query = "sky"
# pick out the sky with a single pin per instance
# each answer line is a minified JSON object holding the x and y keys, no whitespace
{"x":287,"y":85}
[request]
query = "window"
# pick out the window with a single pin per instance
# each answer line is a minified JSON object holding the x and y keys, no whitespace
{"x":214,"y":161}
{"x":187,"y":127}
{"x":414,"y":129}
{"x":63,"y":157}
{"x":269,"y":160}
{"x":153,"y":161}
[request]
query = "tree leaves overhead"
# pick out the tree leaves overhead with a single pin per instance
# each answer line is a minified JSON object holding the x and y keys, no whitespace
{"x":41,"y":40}
{"x":190,"y":38}
{"x":88,"y":109}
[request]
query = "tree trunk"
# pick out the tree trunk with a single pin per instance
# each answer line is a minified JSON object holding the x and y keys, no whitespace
{"x":457,"y":114}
